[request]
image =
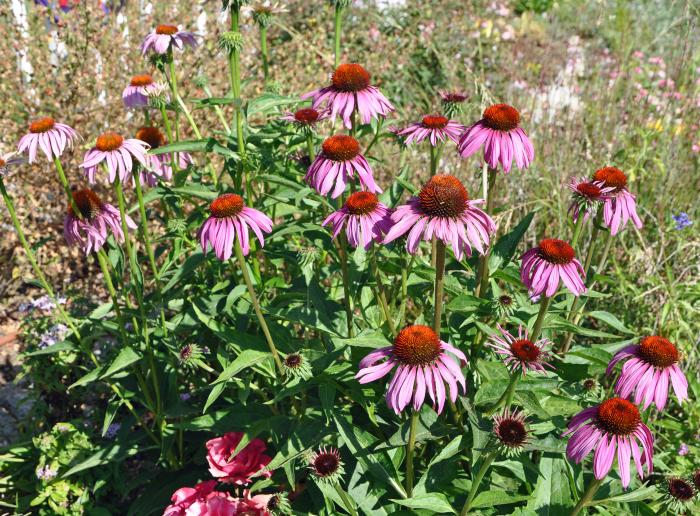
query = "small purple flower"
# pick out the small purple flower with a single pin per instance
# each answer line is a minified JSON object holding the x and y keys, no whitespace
{"x":112,"y":430}
{"x":683,"y":450}
{"x":46,"y":473}
{"x":682,"y":221}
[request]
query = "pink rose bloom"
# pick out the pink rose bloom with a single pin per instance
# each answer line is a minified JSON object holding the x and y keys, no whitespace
{"x":184,"y":497}
{"x":241,"y":467}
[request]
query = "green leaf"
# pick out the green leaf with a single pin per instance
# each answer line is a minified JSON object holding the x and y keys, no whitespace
{"x":643,"y":493}
{"x":505,"y":248}
{"x":267,"y":102}
{"x":56,"y":348}
{"x":493,"y":498}
{"x":247,"y":358}
{"x":434,"y":502}
{"x":125,"y":358}
{"x":552,"y":495}
{"x":610,"y":320}
{"x":203,"y":145}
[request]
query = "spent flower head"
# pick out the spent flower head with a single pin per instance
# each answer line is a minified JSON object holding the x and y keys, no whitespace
{"x":296,"y":365}
{"x":510,"y":432}
{"x":231,"y":41}
{"x":326,"y":465}
{"x":678,"y":494}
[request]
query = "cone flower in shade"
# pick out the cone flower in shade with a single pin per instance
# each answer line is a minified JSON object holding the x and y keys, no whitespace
{"x":338,"y":162}
{"x":552,"y":262}
{"x":443,"y":209}
{"x":620,"y":206}
{"x":649,"y":368}
{"x":424,"y":364}
{"x":49,"y":136}
{"x":364,"y":218}
{"x":99,"y":219}
{"x":502,"y":138}
{"x":230,"y":219}
{"x":613,"y":429}
{"x":351,"y":90}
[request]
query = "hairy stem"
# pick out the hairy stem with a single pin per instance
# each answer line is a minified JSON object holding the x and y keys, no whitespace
{"x":410,"y":448}
{"x":476,"y":481}
{"x":439,"y":284}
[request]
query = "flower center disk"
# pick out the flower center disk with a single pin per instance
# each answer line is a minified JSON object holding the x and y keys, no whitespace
{"x":306,"y":116}
{"x":525,"y":350}
{"x":293,"y":360}
{"x":556,"y":251}
{"x":109,"y":141}
{"x":350,"y":77}
{"x":141,"y":80}
{"x":435,"y":121}
{"x":227,"y":205}
{"x":512,"y":432}
{"x":326,"y":464}
{"x":361,"y":203}
{"x":618,"y":416}
{"x":42,"y":125}
{"x":501,"y":117}
{"x":658,"y":351}
{"x":443,"y":196}
{"x":152,"y":136}
{"x":88,"y":202}
{"x":341,"y":147}
{"x":167,"y":30}
{"x":589,"y":190}
{"x":417,"y":345}
{"x":680,"y":489}
{"x":612,"y":177}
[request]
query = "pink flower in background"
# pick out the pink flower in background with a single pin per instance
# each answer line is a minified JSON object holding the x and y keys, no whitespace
{"x":521,"y":353}
{"x":305,"y":117}
{"x":620,"y":206}
{"x":160,"y":165}
{"x":649,"y":368}
{"x":48,"y":135}
{"x":364,"y":218}
{"x":613,"y":428}
{"x":160,"y":40}
{"x":552,"y":261}
{"x":240,"y":469}
{"x":351,"y":90}
{"x":184,"y":497}
{"x":443,"y":209}
{"x":436,"y":128}
{"x":136,"y":94}
{"x":424,"y":365}
{"x":499,"y":133}
{"x":98,"y":220}
{"x":339,"y":160}
{"x":230,"y":219}
{"x":585,"y":196}
{"x":118,"y":156}
{"x":8,"y":161}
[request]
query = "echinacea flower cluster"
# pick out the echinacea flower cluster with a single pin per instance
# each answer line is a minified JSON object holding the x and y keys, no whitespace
{"x":620,"y":205}
{"x":586,"y":196}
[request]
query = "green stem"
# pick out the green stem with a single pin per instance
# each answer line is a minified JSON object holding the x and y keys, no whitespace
{"x":149,"y":248}
{"x":507,"y":397}
{"x":410,"y":448}
{"x":544,"y":306}
{"x":485,"y":465}
{"x":345,"y":498}
{"x":439,"y":284}
{"x":433,"y":160}
{"x":32,"y":259}
{"x":482,"y":280}
{"x":577,"y":230}
{"x":381,"y":294}
{"x":343,"y":251}
{"x":310,"y":145}
{"x":587,"y":496}
{"x":380,"y":122}
{"x":405,"y":273}
{"x":219,"y":112}
{"x":256,"y":306}
{"x":263,"y":51}
{"x":338,"y":28}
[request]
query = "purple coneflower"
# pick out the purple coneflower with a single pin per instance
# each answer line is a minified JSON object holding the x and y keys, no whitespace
{"x":552,"y":260}
{"x":305,"y":117}
{"x":230,"y":219}
{"x":48,"y":135}
{"x":136,"y":94}
{"x":521,"y":352}
{"x":8,"y":161}
{"x":98,"y":220}
{"x":443,"y":209}
{"x":350,"y":89}
{"x":434,"y":127}
{"x":326,"y":465}
{"x":160,"y":40}
{"x":613,"y":426}
{"x":423,"y":365}
{"x":503,"y":140}
{"x":652,"y":365}
{"x":117,"y":153}
{"x":585,"y":196}
{"x":160,"y":164}
{"x":339,"y":160}
{"x":365,"y":219}
{"x":510,"y":431}
{"x":452,"y":101}
{"x":620,"y":206}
